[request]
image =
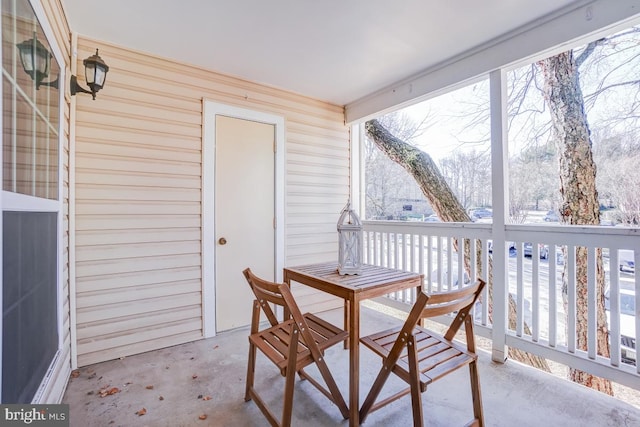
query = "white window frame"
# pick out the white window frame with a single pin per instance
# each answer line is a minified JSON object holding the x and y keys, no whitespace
{"x":26,"y":203}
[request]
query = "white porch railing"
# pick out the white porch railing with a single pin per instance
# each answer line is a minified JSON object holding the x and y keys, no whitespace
{"x":434,"y":249}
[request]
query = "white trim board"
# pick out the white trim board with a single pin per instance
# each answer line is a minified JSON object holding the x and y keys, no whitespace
{"x":210,"y":110}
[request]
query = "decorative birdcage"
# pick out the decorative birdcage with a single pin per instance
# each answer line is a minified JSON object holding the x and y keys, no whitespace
{"x":350,"y":242}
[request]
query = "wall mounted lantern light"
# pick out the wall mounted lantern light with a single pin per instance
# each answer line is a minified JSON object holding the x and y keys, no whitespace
{"x":95,"y":71}
{"x":36,"y":60}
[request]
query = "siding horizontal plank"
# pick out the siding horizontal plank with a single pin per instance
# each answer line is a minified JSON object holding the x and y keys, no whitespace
{"x":124,"y":222}
{"x":111,"y":237}
{"x":143,"y":265}
{"x":113,"y":252}
{"x":137,"y":293}
{"x":139,"y":346}
{"x":120,"y":282}
{"x":130,"y":308}
{"x":117,"y":119}
{"x":142,"y":150}
{"x":157,"y":331}
{"x":148,"y":320}
{"x":114,"y":164}
{"x":139,"y":179}
{"x":101,"y":134}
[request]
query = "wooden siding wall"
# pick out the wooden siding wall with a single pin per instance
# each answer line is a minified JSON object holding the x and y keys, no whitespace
{"x":139,"y":195}
{"x":60,"y":376}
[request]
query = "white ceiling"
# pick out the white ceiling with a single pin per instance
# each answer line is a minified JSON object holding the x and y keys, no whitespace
{"x":334,"y":50}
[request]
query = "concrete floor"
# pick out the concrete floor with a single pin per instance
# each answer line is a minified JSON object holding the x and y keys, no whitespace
{"x":177,"y":386}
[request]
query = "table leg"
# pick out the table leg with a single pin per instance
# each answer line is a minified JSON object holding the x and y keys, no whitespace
{"x":354,"y":363}
{"x":286,"y":281}
{"x":346,"y":323}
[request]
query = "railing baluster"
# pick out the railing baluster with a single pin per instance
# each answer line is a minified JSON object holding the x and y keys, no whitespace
{"x":461,"y":271}
{"x":520,"y":289}
{"x":449,"y":270}
{"x":429,"y":263}
{"x":391,"y":253}
{"x":552,"y":262}
{"x":614,"y":307}
{"x":571,"y":298}
{"x":485,"y":277}
{"x":439,"y":262}
{"x":636,"y":281}
{"x":535,"y":291}
{"x":592,"y":343}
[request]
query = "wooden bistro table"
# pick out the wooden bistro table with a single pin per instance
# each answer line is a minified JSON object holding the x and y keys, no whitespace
{"x":372,"y":282}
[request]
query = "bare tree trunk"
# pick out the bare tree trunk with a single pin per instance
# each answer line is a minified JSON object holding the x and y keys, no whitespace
{"x":434,"y":187}
{"x":580,"y":203}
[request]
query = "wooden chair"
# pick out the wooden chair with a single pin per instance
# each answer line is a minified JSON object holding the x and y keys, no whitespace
{"x":291,"y":345}
{"x":419,"y":356}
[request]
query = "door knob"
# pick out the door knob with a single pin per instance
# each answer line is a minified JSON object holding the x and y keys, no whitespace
{"x":222,"y":241}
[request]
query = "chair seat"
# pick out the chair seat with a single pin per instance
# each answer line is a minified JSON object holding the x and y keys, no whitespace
{"x":436,"y":355}
{"x":274,"y":341}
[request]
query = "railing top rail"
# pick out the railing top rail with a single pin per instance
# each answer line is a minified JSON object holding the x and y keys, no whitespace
{"x":444,"y":229}
{"x":579,"y":235}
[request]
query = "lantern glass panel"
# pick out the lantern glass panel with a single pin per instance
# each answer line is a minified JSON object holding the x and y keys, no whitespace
{"x":100,"y":75}
{"x":42,"y":62}
{"x":90,"y":73}
{"x":27,"y":60}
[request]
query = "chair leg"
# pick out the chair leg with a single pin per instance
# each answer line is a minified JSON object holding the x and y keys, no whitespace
{"x":384,"y":373}
{"x":333,"y":387}
{"x":290,"y":378}
{"x":414,"y":383}
{"x":475,"y":393}
{"x":251,"y":369}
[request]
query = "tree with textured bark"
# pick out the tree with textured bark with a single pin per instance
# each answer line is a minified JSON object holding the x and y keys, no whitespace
{"x":580,"y":204}
{"x":445,"y":203}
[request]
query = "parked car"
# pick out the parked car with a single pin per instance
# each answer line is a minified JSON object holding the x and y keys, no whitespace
{"x":551,"y":216}
{"x":512,"y":246}
{"x":626,"y":261}
{"x":480,"y":213}
{"x":431,"y":218}
{"x":627,"y":323}
{"x":528,"y":250}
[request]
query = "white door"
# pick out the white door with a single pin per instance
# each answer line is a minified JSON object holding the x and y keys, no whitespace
{"x":244,"y":214}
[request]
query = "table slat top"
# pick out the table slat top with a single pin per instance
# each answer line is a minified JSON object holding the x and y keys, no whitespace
{"x":371,"y":277}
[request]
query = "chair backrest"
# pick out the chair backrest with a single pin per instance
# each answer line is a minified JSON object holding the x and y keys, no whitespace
{"x":276,"y":293}
{"x":461,"y":301}
{"x":265,"y":292}
{"x":438,"y":304}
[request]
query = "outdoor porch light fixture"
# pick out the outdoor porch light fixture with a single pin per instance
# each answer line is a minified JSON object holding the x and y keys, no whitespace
{"x":36,"y":60}
{"x":350,"y":242}
{"x":95,"y":71}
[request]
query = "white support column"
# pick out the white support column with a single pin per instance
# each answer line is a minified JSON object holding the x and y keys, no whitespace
{"x":500,"y":194}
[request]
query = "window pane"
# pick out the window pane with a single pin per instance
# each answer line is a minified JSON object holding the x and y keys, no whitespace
{"x":31,"y":108}
{"x":24,"y":146}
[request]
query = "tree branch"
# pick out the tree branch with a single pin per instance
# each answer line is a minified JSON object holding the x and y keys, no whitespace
{"x":588,"y":51}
